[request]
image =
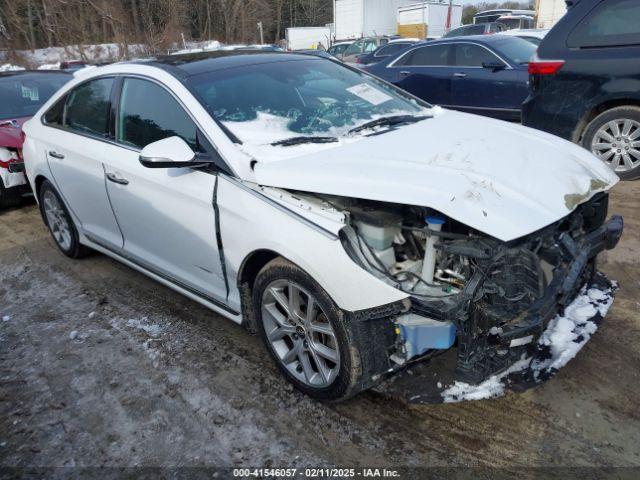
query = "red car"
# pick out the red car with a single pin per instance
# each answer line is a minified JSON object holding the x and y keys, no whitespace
{"x":22,"y":93}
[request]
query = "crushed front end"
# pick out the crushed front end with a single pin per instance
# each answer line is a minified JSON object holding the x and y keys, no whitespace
{"x":478,"y":302}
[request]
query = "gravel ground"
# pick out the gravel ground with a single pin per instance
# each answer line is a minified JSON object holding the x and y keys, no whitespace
{"x":100,"y":366}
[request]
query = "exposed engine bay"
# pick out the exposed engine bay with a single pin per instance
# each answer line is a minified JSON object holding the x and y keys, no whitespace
{"x":488,"y":298}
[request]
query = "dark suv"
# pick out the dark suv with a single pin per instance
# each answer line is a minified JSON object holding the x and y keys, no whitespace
{"x":585,"y":82}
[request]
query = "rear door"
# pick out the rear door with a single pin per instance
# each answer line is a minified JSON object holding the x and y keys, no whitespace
{"x":74,"y":140}
{"x":167,"y":216}
{"x":495,"y":92}
{"x":425,"y":72}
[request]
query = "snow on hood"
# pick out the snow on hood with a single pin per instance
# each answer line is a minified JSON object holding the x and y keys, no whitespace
{"x":500,"y":178}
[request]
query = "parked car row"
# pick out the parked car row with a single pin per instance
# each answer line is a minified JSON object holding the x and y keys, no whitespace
{"x":582,"y":84}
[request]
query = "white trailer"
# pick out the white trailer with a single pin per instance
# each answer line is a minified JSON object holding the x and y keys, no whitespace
{"x":366,"y":18}
{"x":428,"y":19}
{"x":303,"y":38}
{"x":549,"y":12}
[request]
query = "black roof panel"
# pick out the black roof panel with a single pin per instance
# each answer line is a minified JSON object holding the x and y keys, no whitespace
{"x":189,"y":64}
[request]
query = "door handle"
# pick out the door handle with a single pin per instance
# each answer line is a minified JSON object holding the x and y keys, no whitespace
{"x":460,"y":75}
{"x":405,"y":72}
{"x":56,"y":155}
{"x":112,"y":177}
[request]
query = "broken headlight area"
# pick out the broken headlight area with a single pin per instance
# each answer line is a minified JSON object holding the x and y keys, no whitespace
{"x":490,"y":300}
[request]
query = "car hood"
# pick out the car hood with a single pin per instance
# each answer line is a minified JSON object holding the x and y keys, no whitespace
{"x":499,"y":178}
{"x":11,"y":132}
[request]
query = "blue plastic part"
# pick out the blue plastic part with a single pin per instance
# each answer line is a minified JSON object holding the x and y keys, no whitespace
{"x":426,"y":334}
{"x":434,"y":220}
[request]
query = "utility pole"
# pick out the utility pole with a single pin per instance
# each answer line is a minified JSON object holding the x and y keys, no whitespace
{"x":448,"y":25}
{"x":261,"y":33}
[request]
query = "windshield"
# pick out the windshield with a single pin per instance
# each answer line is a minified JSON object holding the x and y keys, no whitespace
{"x":269,"y":102}
{"x":517,"y":50}
{"x":23,"y":94}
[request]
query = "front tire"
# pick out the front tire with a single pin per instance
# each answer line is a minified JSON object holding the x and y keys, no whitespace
{"x":59,"y":222}
{"x":614,"y":137}
{"x":305,"y":332}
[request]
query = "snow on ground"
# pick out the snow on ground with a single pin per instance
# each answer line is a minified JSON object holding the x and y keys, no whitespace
{"x":50,"y":66}
{"x":7,"y":67}
{"x":564,"y":338}
{"x":142,"y":324}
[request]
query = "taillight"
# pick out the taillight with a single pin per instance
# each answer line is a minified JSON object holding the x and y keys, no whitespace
{"x":537,"y":66}
{"x":358,"y":60}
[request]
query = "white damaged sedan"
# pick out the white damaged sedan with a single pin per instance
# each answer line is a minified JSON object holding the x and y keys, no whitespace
{"x":355,"y":227}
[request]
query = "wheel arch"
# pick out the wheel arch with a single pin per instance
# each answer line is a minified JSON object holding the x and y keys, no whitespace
{"x":246,"y":278}
{"x":39,"y":180}
{"x":596,"y":110}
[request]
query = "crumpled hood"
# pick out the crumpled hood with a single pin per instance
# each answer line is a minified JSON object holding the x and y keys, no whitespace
{"x":11,"y":132}
{"x":500,"y":178}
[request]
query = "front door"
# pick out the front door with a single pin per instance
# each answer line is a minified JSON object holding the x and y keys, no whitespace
{"x":166,"y":215}
{"x":497,"y":92}
{"x":74,"y":145}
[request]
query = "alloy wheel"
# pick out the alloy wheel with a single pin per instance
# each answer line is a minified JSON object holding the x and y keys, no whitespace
{"x":300,"y":333}
{"x":57,"y":220}
{"x":617,"y":143}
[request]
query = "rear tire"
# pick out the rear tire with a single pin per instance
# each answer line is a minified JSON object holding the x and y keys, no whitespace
{"x":294,"y":340}
{"x":611,"y":136}
{"x":59,"y":222}
{"x":8,"y":198}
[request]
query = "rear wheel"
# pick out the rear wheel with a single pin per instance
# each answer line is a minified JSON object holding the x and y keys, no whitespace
{"x":614,"y":137}
{"x":304,"y":332}
{"x":59,"y":222}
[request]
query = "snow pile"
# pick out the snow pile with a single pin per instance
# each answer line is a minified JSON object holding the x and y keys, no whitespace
{"x":566,"y":335}
{"x":264,"y":129}
{"x":50,"y":66}
{"x":491,"y":387}
{"x":560,"y":342}
{"x":258,"y":134}
{"x":7,"y":67}
{"x":197,"y":47}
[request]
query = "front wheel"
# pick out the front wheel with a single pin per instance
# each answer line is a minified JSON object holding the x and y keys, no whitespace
{"x":614,"y":137}
{"x":305,"y":333}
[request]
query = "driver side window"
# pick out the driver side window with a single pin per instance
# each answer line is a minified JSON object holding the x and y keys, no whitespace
{"x":148,"y":113}
{"x":470,"y":55}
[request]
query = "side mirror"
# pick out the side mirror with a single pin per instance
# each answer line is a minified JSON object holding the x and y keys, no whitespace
{"x":495,"y":66}
{"x":170,"y":152}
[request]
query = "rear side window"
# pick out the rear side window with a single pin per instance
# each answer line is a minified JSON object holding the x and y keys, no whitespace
{"x":470,"y":55}
{"x":149,"y":113}
{"x":611,"y":23}
{"x":87,"y":108}
{"x":55,"y":114}
{"x":430,"y":56}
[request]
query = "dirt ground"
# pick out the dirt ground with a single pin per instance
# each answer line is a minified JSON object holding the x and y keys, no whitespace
{"x":100,"y":366}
